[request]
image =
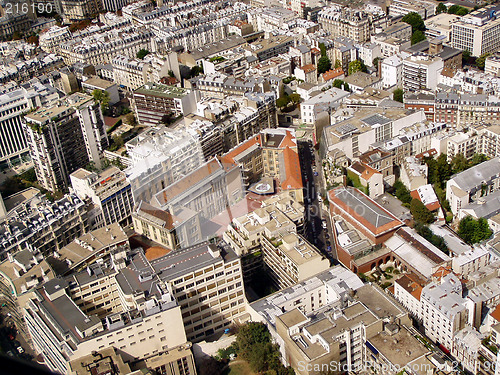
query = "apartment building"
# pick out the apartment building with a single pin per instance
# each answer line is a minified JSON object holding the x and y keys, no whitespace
{"x":440,"y":26}
{"x":271,"y":154}
{"x":13,"y":105}
{"x":102,"y":47}
{"x":278,"y":215}
{"x":466,"y":109}
{"x":290,"y":259}
{"x":109,"y":190}
{"x":156,"y":164}
{"x":477,"y":32}
{"x":413,"y":173}
{"x":318,"y":324}
{"x":63,"y":327}
{"x":269,"y":19}
{"x":173,"y":228}
{"x":392,"y":71}
{"x":208,"y":286}
{"x":78,"y":10}
{"x":473,"y":183}
{"x":444,"y":310}
{"x":64,"y":138}
{"x":424,"y":9}
{"x":420,"y":71}
{"x":366,"y":127}
{"x":154,"y":101}
{"x":39,"y":223}
{"x":356,"y":25}
{"x":209,"y":189}
{"x":325,"y":101}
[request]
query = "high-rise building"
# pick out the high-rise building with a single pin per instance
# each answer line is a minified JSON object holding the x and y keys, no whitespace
{"x":64,"y":138}
{"x":13,"y":104}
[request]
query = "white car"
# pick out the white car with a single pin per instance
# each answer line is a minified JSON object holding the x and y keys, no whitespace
{"x":20,"y":349}
{"x":319,"y":198}
{"x":323,"y":224}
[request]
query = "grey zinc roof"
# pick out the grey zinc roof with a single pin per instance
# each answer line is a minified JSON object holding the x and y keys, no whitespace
{"x":487,"y":207}
{"x":477,"y":175}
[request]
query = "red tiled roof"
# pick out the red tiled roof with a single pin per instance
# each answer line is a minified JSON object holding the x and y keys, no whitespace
{"x":333,"y":73}
{"x":365,"y":170}
{"x":229,"y":157}
{"x":496,"y":314}
{"x":293,"y":174}
{"x":308,"y":68}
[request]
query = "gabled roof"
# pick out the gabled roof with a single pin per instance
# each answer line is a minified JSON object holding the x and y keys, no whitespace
{"x":363,"y":210}
{"x":291,"y":177}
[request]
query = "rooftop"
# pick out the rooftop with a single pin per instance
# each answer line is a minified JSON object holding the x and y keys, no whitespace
{"x":477,"y":175}
{"x":361,"y":208}
{"x":163,"y":91}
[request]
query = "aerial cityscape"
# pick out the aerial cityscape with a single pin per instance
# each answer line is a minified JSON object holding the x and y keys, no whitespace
{"x":275,"y":187}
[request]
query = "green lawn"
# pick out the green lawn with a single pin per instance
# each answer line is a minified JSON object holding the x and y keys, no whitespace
{"x":239,"y":367}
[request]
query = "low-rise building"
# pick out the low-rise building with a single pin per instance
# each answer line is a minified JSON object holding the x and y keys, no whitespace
{"x":472,"y":184}
{"x":413,"y":173}
{"x":154,"y":101}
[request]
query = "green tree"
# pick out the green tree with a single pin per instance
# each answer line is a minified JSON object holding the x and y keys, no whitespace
{"x":195,"y":71}
{"x":441,"y":8}
{"x":338,"y":83}
{"x":466,"y":55}
{"x":324,"y":64}
{"x":171,"y":74}
{"x":420,"y":212}
{"x":295,"y":98}
{"x":356,"y":66}
{"x":443,"y":170}
{"x":415,"y":20}
{"x":401,"y":192}
{"x":282,"y":102}
{"x":130,"y":119}
{"x":101,"y":97}
{"x":481,"y":60}
{"x":346,"y":87}
{"x":458,"y":10}
{"x":322,"y":48}
{"x":376,"y":61}
{"x":338,"y":64}
{"x":142,"y":53}
{"x":478,"y":159}
{"x":473,"y":231}
{"x":398,"y":95}
{"x":417,"y":37}
{"x":434,"y":239}
{"x":459,"y":163}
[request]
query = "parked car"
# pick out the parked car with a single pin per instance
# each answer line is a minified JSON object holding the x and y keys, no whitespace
{"x":20,"y":349}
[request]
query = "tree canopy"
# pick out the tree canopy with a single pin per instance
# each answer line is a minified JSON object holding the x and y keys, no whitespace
{"x":441,"y":8}
{"x":356,"y":66}
{"x":417,"y":37}
{"x":142,"y":53}
{"x":473,"y":231}
{"x":324,"y":64}
{"x":415,"y":20}
{"x":101,"y":97}
{"x":253,"y":343}
{"x":458,"y":10}
{"x":401,"y":192}
{"x":434,"y":239}
{"x":398,"y":95}
{"x":481,"y":60}
{"x":420,"y":212}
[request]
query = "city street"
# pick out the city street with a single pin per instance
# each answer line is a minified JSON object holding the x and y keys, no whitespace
{"x":314,"y":232}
